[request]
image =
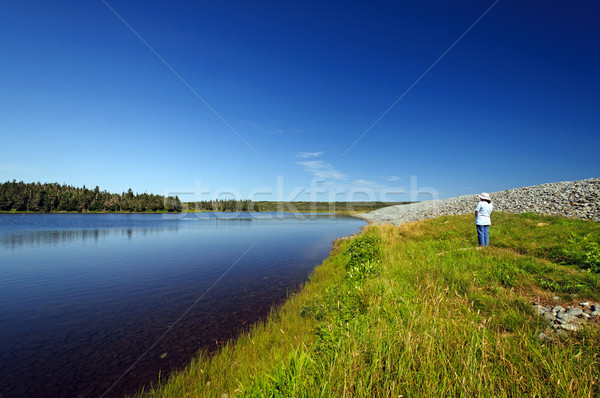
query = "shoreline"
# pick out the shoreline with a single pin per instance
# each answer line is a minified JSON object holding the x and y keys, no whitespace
{"x":320,"y":341}
{"x":337,"y":212}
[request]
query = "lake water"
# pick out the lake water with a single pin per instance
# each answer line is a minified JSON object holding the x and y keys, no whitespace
{"x":83,"y":297}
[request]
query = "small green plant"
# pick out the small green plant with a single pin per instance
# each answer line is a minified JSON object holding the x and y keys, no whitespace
{"x":591,"y":256}
{"x":362,"y":270}
{"x":364,"y":257}
{"x":582,"y":251}
{"x":549,"y":284}
{"x":507,"y":274}
{"x":314,"y":310}
{"x":568,"y":286}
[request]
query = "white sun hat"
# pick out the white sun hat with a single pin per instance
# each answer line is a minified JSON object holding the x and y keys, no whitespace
{"x":484,"y":196}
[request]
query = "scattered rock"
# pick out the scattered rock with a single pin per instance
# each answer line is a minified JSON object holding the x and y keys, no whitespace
{"x":543,"y":337}
{"x":575,"y":311}
{"x":558,"y":309}
{"x":570,"y":327}
{"x":540,"y":309}
{"x":550,"y":316}
{"x":556,"y":298}
{"x":566,"y":320}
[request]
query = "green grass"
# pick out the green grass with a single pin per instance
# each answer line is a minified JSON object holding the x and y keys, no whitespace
{"x":418,"y":310}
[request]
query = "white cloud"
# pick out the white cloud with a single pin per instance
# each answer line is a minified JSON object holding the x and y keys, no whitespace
{"x":270,"y":128}
{"x":307,"y":155}
{"x":322,"y":169}
{"x":392,"y":178}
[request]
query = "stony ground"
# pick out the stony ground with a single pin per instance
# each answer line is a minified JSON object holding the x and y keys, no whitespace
{"x":578,"y":199}
{"x":568,"y":319}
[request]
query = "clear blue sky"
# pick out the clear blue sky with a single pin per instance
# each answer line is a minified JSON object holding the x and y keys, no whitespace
{"x":259,"y":97}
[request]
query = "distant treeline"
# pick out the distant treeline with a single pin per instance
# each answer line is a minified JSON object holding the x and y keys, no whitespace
{"x":249,"y":205}
{"x":50,"y":197}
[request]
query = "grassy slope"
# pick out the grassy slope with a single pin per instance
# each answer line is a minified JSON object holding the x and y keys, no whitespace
{"x":418,"y":311}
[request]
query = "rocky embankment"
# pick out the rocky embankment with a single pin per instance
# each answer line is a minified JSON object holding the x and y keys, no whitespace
{"x":577,"y":199}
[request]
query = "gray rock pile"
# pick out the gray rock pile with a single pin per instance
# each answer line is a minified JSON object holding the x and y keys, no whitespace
{"x":571,"y":318}
{"x":577,"y":199}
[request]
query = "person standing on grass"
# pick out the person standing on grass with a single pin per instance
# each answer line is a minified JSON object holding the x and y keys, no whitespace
{"x":482,"y":218}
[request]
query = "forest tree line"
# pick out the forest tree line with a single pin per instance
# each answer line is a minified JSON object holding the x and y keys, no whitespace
{"x":221,"y":205}
{"x":249,"y":205}
{"x":54,"y":197}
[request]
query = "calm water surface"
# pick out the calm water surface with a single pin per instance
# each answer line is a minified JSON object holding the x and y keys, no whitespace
{"x":84,"y":296}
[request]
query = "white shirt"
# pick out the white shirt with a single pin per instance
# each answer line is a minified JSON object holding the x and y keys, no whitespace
{"x":484,"y":209}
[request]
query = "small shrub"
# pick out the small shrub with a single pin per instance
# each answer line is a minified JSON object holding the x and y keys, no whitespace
{"x":364,"y":257}
{"x":567,"y":286}
{"x":316,"y":311}
{"x":328,"y":337}
{"x":581,"y":251}
{"x":362,"y":270}
{"x":591,"y":256}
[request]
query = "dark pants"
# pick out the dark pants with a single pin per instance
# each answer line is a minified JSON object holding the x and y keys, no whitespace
{"x":483,"y":234}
